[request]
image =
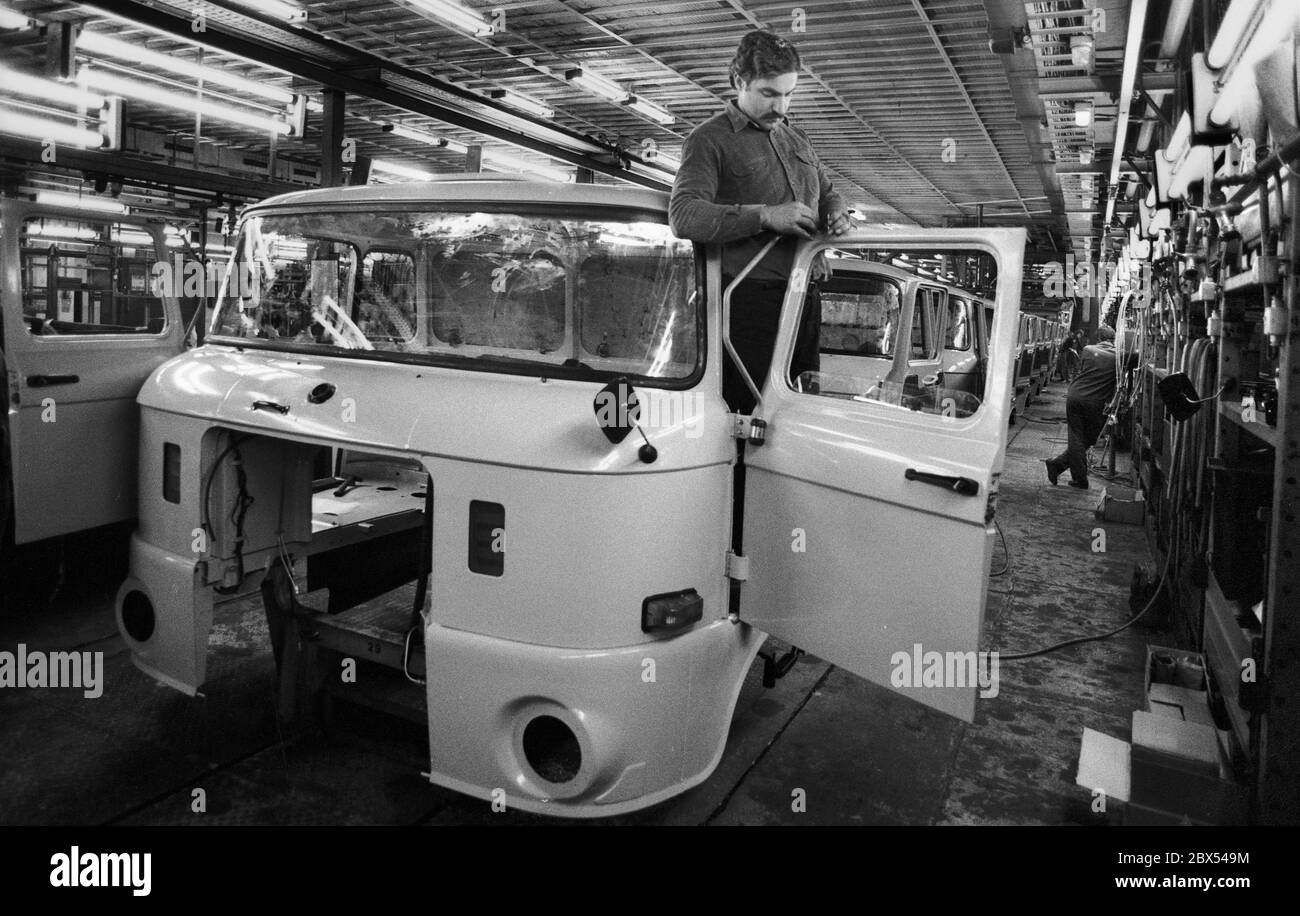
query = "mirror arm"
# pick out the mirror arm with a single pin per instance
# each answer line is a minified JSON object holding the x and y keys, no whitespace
{"x":726,"y":320}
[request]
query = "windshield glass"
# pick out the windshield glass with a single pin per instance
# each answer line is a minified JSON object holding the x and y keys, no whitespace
{"x":493,"y":291}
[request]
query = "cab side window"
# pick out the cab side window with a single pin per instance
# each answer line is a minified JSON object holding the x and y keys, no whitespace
{"x":87,"y":277}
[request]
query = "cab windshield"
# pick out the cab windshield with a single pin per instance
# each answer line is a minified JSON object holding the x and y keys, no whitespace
{"x":500,"y":292}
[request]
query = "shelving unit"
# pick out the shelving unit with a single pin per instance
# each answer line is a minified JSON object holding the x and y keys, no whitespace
{"x":1224,"y":487}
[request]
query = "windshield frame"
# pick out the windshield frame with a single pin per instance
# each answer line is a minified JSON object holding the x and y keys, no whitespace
{"x":475,"y":363}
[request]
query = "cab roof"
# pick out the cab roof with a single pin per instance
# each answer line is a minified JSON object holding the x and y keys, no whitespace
{"x":495,"y":189}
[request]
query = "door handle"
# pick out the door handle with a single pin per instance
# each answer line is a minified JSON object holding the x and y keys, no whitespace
{"x":271,"y":405}
{"x":962,"y":485}
{"x":45,"y":381}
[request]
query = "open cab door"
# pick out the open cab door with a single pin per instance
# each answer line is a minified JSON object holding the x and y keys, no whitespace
{"x":869,"y":509}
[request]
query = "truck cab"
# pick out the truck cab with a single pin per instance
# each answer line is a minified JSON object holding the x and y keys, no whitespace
{"x":868,"y":308}
{"x":521,"y":386}
{"x":83,"y":324}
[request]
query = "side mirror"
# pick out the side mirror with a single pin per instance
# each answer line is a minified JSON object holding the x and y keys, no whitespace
{"x":618,"y":410}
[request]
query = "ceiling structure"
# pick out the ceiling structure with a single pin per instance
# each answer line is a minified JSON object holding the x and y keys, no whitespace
{"x":933,"y":112}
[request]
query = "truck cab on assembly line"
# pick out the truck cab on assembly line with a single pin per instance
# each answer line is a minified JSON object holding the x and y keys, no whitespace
{"x":502,"y":402}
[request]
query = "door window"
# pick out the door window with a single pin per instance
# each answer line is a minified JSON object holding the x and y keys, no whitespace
{"x":89,"y":277}
{"x":869,"y":297}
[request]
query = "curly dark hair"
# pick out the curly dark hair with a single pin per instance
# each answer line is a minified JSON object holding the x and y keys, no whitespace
{"x":762,"y":54}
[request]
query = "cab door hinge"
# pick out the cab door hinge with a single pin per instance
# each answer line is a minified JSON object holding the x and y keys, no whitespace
{"x":752,"y":429}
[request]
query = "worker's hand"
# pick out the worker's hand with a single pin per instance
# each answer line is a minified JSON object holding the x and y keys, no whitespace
{"x":791,"y":218}
{"x":838,"y":222}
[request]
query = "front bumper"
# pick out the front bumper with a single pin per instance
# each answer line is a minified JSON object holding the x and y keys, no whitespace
{"x":650,"y":720}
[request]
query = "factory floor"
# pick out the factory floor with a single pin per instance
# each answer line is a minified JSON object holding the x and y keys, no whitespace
{"x":861,"y":753}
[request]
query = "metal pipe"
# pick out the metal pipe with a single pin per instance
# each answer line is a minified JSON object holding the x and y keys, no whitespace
{"x":726,"y":320}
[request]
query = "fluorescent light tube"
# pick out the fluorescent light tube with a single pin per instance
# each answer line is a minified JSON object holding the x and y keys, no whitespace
{"x":277,"y":8}
{"x":42,"y":129}
{"x":11,"y":19}
{"x":1275,"y":26}
{"x":515,"y":100}
{"x":33,"y":87}
{"x":113,"y":47}
{"x":1231,"y":29}
{"x":411,"y":133}
{"x":597,"y":84}
{"x":1178,"y":142}
{"x":148,"y":92}
{"x":401,"y":171}
{"x":650,"y":110}
{"x":454,"y":14}
{"x":50,"y":230}
{"x":1083,"y":114}
{"x":99,"y":204}
{"x":512,"y":163}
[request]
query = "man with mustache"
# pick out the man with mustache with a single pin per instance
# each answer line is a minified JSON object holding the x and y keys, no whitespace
{"x":748,"y":174}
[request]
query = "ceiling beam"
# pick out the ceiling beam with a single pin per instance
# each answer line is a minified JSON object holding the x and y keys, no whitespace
{"x":1061,"y":86}
{"x":147,"y":171}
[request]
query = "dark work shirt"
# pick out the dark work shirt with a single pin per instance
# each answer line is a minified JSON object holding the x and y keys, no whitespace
{"x":730,"y":169}
{"x":1096,"y":378}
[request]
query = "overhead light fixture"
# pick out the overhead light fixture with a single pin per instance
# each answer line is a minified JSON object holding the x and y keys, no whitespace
{"x":12,"y":19}
{"x":1232,"y":27}
{"x":401,"y":171}
{"x":667,"y":162}
{"x":80,"y":202}
{"x":106,"y":45}
{"x":513,"y":163}
{"x":421,"y":136}
{"x":650,"y":110}
{"x":1081,"y":50}
{"x":151,"y":92}
{"x":523,"y":103}
{"x":54,"y":230}
{"x":1082,"y":114}
{"x":454,"y":14}
{"x":597,"y":84}
{"x":44,"y":129}
{"x":1182,"y":136}
{"x":277,"y":9}
{"x":1085,"y":156}
{"x":1276,"y":25}
{"x":33,"y":87}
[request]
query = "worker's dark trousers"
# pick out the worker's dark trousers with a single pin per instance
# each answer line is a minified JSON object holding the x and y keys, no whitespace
{"x":755,"y":314}
{"x":1086,"y":420}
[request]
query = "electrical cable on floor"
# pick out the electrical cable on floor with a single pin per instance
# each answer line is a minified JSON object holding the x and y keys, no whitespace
{"x":1160,"y":585}
{"x":1006,"y":554}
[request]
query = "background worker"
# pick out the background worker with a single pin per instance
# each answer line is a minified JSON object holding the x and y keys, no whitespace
{"x":748,"y":174}
{"x":1086,"y":402}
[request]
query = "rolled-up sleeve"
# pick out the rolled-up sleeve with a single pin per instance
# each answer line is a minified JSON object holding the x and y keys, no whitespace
{"x":693,"y":211}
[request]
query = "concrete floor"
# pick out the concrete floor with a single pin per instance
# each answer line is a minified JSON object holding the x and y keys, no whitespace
{"x":862,"y":754}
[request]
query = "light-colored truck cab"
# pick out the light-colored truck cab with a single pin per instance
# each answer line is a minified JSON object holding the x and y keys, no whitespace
{"x":82,"y":325}
{"x":533,"y":373}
